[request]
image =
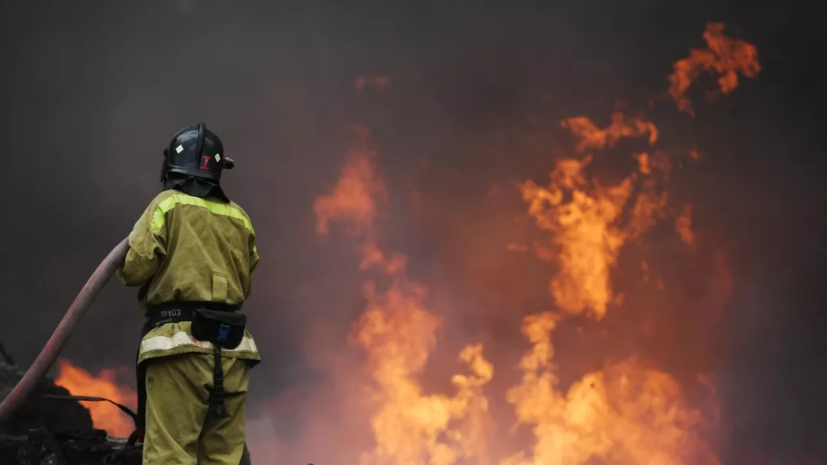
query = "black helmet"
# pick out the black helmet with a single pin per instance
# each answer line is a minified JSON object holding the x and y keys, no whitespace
{"x":198,"y":152}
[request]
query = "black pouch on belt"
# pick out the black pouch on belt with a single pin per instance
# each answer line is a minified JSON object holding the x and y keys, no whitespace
{"x":224,"y":330}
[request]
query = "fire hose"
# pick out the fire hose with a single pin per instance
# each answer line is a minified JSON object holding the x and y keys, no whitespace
{"x":64,"y":330}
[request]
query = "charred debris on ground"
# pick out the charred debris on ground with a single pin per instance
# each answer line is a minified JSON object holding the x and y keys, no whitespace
{"x":51,"y":427}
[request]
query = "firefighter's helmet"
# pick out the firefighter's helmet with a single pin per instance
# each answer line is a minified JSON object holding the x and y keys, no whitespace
{"x":196,"y":151}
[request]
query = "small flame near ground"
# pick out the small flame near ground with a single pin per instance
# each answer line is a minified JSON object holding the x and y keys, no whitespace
{"x":105,"y":416}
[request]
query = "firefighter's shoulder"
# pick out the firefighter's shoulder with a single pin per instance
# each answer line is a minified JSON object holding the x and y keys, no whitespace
{"x":162,"y":196}
{"x":242,"y":211}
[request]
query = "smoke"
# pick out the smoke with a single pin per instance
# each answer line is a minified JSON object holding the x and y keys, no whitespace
{"x":471,"y":107}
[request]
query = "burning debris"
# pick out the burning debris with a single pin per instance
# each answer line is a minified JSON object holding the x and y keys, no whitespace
{"x":52,"y":427}
{"x":56,"y":427}
{"x":105,"y":416}
{"x":37,"y":413}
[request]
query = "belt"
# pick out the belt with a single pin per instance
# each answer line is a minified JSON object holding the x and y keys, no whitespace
{"x":178,"y":311}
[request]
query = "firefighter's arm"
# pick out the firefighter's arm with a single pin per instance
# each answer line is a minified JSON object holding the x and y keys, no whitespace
{"x":254,"y":258}
{"x":147,"y":247}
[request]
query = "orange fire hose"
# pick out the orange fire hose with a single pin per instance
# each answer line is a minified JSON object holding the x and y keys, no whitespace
{"x":64,"y":330}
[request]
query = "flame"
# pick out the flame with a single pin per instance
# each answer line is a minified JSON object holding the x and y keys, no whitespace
{"x":399,"y":333}
{"x":726,"y":57}
{"x":582,"y":215}
{"x":357,"y":191}
{"x":625,"y":414}
{"x":584,"y":242}
{"x":683,"y":225}
{"x":647,"y":278}
{"x":104,"y":415}
{"x":629,"y":412}
{"x":595,"y":138}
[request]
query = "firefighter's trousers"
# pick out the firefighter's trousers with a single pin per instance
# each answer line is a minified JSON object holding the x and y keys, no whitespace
{"x":179,"y":428}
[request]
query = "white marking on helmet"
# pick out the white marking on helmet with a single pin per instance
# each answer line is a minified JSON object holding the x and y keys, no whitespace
{"x":179,"y":149}
{"x":217,"y":158}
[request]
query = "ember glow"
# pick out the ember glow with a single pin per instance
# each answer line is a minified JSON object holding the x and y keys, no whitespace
{"x":105,"y":416}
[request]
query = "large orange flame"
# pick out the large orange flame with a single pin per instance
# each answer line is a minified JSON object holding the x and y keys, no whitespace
{"x":627,"y":413}
{"x":399,"y":333}
{"x":582,"y":215}
{"x":105,"y":416}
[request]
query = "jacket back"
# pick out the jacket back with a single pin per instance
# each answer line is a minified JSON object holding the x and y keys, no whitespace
{"x":186,"y":248}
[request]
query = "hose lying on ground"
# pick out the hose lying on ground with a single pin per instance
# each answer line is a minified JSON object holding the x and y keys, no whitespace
{"x":64,"y":330}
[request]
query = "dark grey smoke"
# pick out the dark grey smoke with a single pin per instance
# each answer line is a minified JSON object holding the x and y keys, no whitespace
{"x":91,"y":92}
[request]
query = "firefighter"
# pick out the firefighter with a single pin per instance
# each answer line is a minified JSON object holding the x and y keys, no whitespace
{"x":192,"y":253}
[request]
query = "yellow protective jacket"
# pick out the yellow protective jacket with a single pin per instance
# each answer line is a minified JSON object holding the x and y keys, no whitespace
{"x":186,"y":248}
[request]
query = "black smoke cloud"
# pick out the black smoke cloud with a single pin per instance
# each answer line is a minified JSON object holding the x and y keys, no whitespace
{"x":91,"y":93}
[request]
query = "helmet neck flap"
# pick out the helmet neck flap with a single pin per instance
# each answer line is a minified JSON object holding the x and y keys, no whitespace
{"x":194,"y":161}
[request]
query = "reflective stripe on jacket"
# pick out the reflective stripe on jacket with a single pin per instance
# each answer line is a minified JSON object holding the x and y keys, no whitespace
{"x":185,"y":248}
{"x":176,"y":338}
